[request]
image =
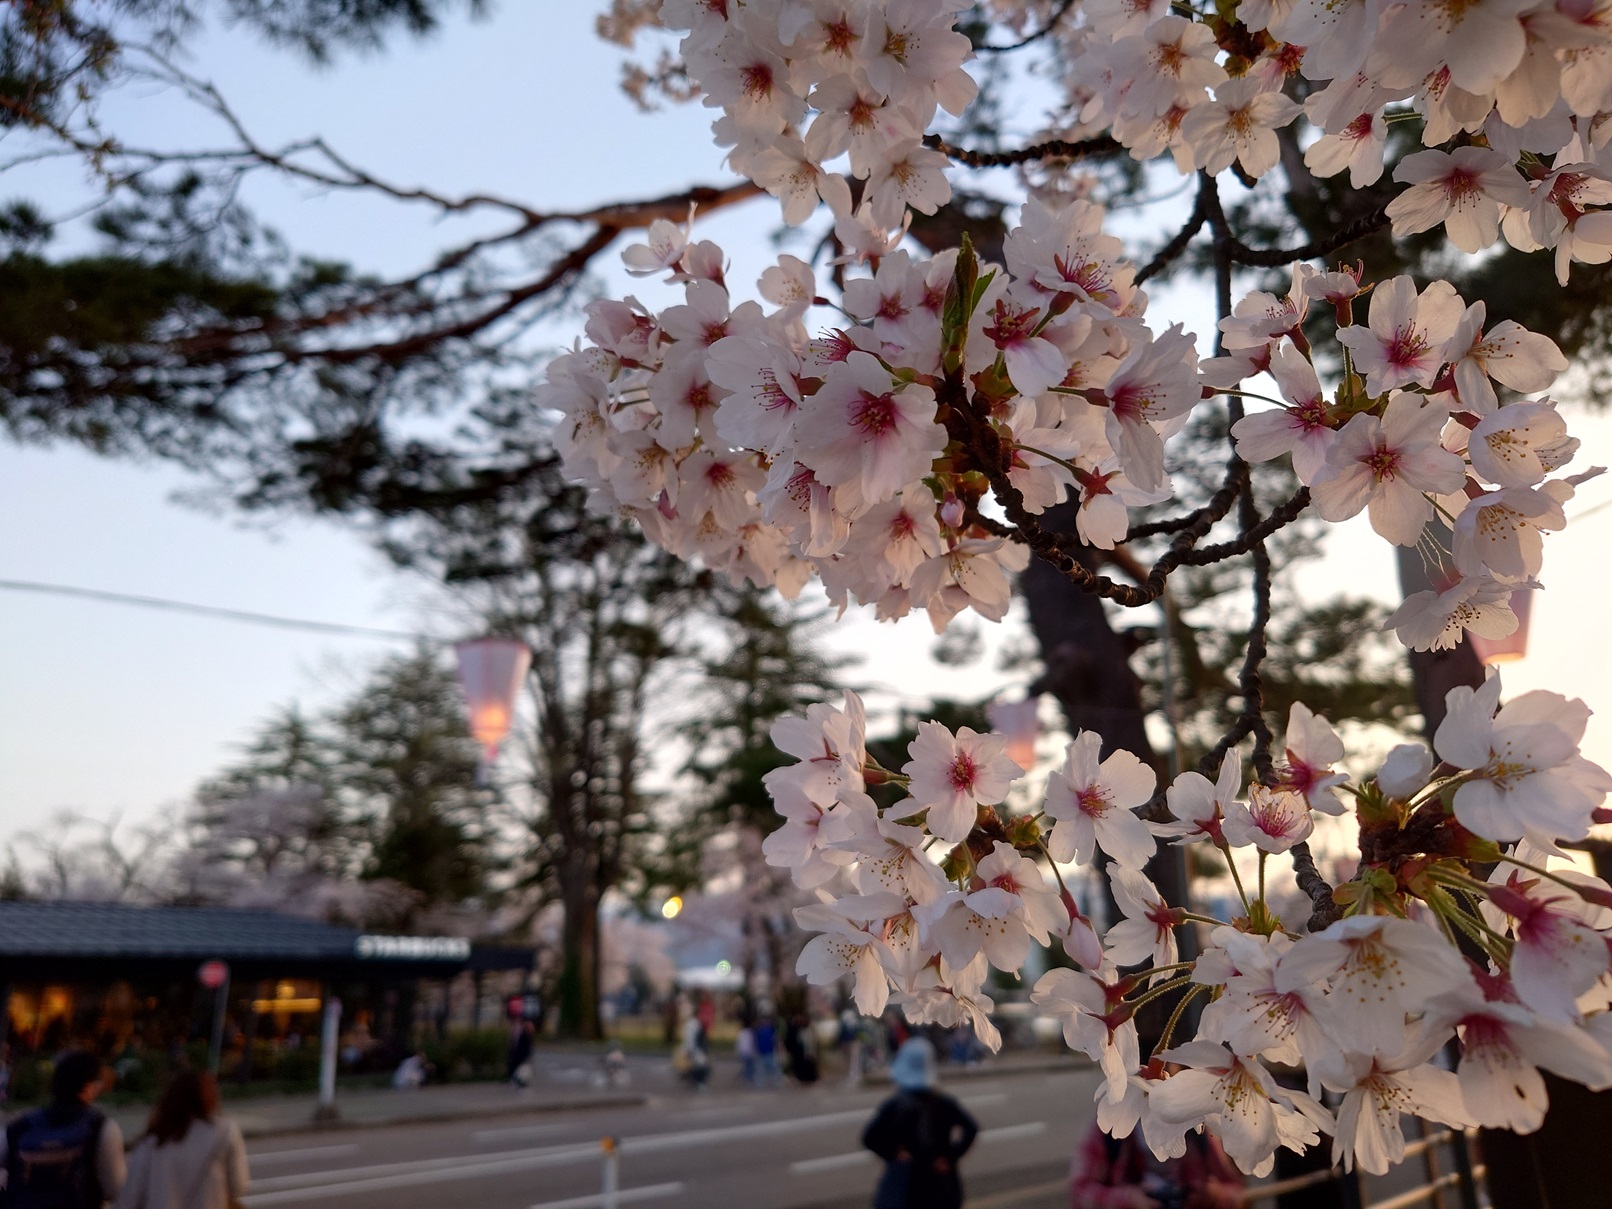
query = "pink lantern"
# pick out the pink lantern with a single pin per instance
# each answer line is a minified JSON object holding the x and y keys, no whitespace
{"x":491,"y":671}
{"x":1017,"y":721}
{"x":1515,"y":644}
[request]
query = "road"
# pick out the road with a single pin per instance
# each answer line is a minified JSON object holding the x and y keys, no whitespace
{"x":790,"y":1148}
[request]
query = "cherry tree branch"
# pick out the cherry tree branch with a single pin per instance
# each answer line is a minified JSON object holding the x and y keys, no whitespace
{"x":1053,"y":21}
{"x":1101,"y":147}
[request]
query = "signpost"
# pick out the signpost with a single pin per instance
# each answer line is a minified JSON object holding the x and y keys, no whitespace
{"x":214,"y":975}
{"x":329,"y":1043}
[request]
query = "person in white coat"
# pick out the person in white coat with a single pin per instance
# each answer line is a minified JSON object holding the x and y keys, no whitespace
{"x":190,"y":1156}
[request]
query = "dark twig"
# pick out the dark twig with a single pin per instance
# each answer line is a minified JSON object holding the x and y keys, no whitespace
{"x":1053,"y":22}
{"x":1272,"y":258}
{"x":1316,"y":887}
{"x":1281,"y":517}
{"x":1178,"y":243}
{"x":1053,"y":149}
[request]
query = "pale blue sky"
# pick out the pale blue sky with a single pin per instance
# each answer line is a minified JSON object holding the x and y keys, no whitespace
{"x":107,"y":709}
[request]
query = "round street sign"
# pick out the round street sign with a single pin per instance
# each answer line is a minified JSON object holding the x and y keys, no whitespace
{"x":212,"y":974}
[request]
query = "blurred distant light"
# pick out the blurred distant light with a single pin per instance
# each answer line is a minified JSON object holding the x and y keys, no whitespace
{"x":491,"y":671}
{"x":672,"y":907}
{"x":1017,"y":721}
{"x":724,"y":966}
{"x":1514,"y":645}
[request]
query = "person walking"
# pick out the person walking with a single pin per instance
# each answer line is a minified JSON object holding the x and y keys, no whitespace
{"x":191,"y":1157}
{"x":67,"y":1155}
{"x":766,"y":1042}
{"x":518,"y":1059}
{"x":920,"y":1133}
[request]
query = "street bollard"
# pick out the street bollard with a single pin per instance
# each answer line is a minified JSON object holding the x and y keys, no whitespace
{"x":329,"y":1045}
{"x":607,"y":1147}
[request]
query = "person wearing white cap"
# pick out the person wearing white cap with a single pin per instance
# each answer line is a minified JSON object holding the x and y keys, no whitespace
{"x":920,"y":1133}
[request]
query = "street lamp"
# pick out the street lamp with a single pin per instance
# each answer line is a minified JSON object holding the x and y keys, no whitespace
{"x":1515,"y":644}
{"x":491,"y":671}
{"x":1018,"y":723}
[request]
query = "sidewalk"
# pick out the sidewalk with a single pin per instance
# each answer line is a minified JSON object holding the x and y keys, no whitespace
{"x":564,"y":1082}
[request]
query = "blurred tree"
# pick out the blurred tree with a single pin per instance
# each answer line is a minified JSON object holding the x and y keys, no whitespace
{"x":406,"y":771}
{"x":766,"y":666}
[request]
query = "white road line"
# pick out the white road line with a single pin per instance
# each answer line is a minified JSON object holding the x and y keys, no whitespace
{"x":833,"y":1162}
{"x":625,"y":1196}
{"x":311,"y":1152}
{"x":515,"y":1131}
{"x":1006,"y":1133}
{"x":455,"y":1165}
{"x":976,"y":1101}
{"x":287,"y":1189}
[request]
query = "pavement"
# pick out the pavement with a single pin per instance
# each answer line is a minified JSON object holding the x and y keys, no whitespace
{"x":564,"y":1082}
{"x":789,"y":1147}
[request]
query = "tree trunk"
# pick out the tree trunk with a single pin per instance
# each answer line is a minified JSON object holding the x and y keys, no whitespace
{"x":1435,"y":673}
{"x":1088,"y":670}
{"x":579,"y":957}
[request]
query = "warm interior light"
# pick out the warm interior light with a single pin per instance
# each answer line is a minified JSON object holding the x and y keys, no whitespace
{"x":285,"y":1007}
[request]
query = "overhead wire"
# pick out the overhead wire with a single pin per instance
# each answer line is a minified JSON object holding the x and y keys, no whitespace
{"x":215,"y":611}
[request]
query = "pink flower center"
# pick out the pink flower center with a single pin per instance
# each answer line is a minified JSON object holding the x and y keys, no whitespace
{"x":1383,"y":463}
{"x":891,"y":307}
{"x":1013,"y":326}
{"x":962,"y":771}
{"x":1358,"y":129}
{"x":1406,"y":348}
{"x":874,"y":414}
{"x":1311,"y":416}
{"x":1462,"y":185}
{"x":1094,"y":800}
{"x":756,"y":81}
{"x":838,"y":37}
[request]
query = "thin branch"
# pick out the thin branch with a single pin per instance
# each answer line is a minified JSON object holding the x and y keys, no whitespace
{"x":1280,"y":517}
{"x":1272,"y":258}
{"x":1061,"y":149}
{"x":1327,"y":912}
{"x":1053,"y":22}
{"x":1178,"y":243}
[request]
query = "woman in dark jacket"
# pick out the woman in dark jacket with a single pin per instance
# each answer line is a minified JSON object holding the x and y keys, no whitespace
{"x":920,"y":1134}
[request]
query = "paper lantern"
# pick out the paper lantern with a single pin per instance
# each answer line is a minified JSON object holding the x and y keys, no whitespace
{"x":491,"y":671}
{"x":1017,"y":721}
{"x":1515,"y":644}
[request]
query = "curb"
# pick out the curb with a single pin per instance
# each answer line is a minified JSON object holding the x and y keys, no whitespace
{"x":269,"y":1129}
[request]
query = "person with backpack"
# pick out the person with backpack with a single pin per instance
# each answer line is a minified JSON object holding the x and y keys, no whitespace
{"x":191,"y":1157}
{"x":920,"y":1133}
{"x":67,"y":1155}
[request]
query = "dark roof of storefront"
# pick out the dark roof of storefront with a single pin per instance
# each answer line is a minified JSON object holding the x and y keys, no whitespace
{"x":60,"y":935}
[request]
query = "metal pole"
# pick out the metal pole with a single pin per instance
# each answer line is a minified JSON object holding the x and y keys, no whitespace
{"x":215,"y":1050}
{"x":607,"y":1147}
{"x":329,"y":1042}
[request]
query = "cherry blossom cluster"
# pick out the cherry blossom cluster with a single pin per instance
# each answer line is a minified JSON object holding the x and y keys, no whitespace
{"x":921,"y":898}
{"x":1415,"y":433}
{"x":1518,"y":92}
{"x":904,"y":450}
{"x":734,"y":435}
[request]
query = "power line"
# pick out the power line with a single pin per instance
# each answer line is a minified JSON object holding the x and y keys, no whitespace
{"x":181,"y":606}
